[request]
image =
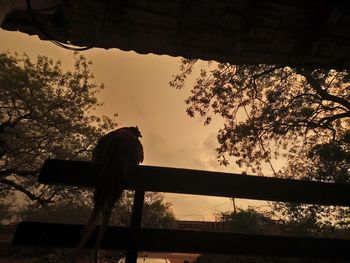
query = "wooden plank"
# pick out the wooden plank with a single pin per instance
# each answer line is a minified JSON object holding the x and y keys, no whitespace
{"x":136,"y":219}
{"x":165,"y":240}
{"x":176,"y":180}
{"x":72,"y":173}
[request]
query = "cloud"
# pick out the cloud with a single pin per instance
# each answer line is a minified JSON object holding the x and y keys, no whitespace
{"x":162,"y":152}
{"x":139,"y":108}
{"x":201,"y":155}
{"x":209,"y":156}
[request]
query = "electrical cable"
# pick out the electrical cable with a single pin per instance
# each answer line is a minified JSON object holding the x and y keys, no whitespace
{"x":203,"y":210}
{"x":183,"y":197}
{"x":60,"y":44}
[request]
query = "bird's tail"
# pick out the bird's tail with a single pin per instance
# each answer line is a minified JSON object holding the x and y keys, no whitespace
{"x":88,"y":229}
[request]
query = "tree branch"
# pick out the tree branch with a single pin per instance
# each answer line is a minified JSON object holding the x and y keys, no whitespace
{"x":12,"y":124}
{"x":266,"y":72}
{"x":321,"y":92}
{"x":307,"y":95}
{"x":8,"y":172}
{"x":20,"y":188}
{"x":325,"y":121}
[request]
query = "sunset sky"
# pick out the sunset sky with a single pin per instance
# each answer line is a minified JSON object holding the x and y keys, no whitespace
{"x":136,"y":87}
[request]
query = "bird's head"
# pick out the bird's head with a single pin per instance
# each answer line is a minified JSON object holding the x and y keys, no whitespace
{"x":134,"y":131}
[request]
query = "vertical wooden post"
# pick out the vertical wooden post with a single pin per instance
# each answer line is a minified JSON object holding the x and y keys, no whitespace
{"x":136,"y":217}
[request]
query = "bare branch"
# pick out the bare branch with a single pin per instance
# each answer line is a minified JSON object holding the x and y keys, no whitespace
{"x":20,"y":188}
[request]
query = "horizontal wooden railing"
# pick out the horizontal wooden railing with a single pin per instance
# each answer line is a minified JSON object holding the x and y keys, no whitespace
{"x":161,"y":179}
{"x":186,"y":241}
{"x":175,"y":180}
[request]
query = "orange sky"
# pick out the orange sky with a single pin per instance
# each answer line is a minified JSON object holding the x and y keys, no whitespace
{"x":136,"y":87}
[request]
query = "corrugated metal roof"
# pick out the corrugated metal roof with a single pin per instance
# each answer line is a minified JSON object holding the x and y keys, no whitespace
{"x":288,"y":32}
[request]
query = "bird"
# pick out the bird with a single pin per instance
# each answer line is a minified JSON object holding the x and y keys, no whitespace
{"x":115,"y":154}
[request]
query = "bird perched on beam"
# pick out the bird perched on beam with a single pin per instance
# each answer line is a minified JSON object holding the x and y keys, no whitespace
{"x":114,"y":155}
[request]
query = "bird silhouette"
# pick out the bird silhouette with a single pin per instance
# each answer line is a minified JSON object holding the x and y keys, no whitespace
{"x":114,"y":155}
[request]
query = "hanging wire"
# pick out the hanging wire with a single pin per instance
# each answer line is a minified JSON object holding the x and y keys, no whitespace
{"x":63,"y":45}
{"x":183,"y":197}
{"x":199,"y":212}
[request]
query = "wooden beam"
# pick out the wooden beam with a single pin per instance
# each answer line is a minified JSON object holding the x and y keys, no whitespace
{"x":71,"y":173}
{"x":136,"y":219}
{"x":186,"y":181}
{"x":181,"y":241}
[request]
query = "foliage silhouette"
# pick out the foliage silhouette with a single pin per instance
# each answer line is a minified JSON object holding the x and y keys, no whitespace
{"x":45,"y":112}
{"x":269,"y":111}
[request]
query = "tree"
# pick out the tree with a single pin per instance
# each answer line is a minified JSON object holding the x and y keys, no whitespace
{"x":269,"y":111}
{"x":156,"y":213}
{"x":5,"y":211}
{"x":45,"y":112}
{"x":300,"y":114}
{"x":48,"y":113}
{"x":328,"y":162}
{"x":249,"y":221}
